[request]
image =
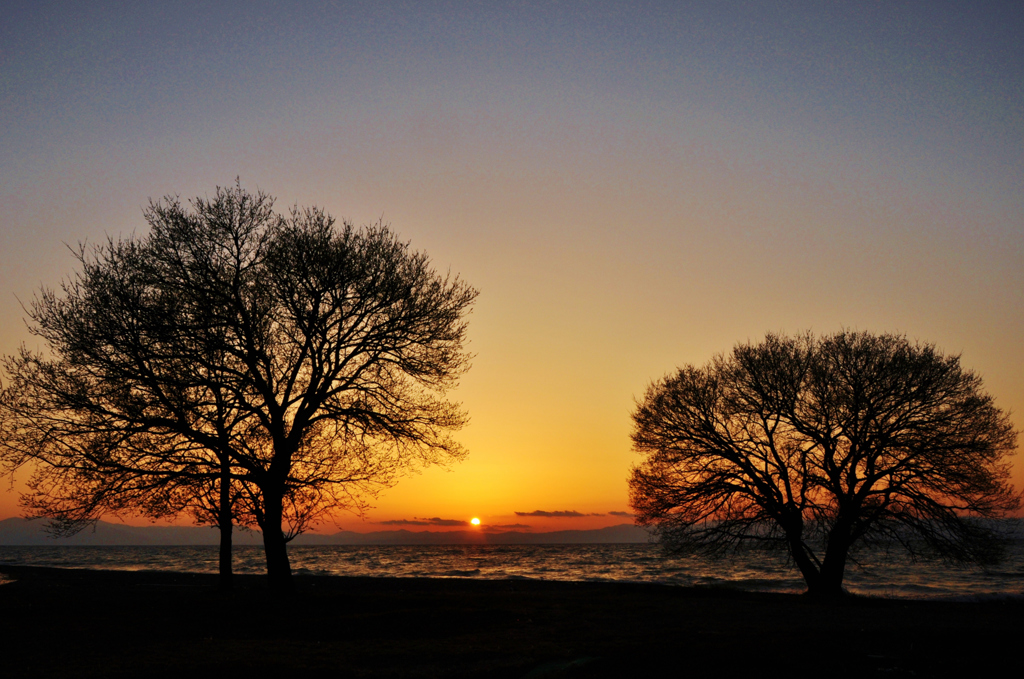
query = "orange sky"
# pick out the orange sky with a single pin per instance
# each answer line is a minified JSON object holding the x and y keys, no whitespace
{"x":629,"y":191}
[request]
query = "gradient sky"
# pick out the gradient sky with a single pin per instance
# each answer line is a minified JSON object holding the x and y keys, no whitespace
{"x":631,"y":186}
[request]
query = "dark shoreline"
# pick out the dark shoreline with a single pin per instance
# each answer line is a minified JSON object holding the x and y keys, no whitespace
{"x":92,"y":623}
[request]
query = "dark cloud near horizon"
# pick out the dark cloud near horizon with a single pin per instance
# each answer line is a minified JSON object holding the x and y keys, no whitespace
{"x":508,"y":526}
{"x":419,"y":521}
{"x":561,"y":514}
{"x":437,"y":521}
{"x":626,"y":514}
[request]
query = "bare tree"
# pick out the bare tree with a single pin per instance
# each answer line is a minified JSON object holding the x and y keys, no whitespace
{"x":114,"y":412}
{"x":818,"y":446}
{"x":313,"y":358}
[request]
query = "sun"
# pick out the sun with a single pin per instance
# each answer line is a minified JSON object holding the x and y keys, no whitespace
{"x":475,"y":521}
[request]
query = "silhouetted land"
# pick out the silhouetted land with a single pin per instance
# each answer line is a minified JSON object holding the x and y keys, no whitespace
{"x":59,"y":623}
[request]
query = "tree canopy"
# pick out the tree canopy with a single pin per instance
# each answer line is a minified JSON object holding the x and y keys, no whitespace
{"x":288,"y":363}
{"x":822,"y":445}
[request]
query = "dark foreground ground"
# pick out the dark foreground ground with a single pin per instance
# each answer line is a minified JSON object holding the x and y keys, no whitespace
{"x":76,"y":623}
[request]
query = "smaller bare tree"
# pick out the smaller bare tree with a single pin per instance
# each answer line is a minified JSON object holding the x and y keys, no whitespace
{"x":818,"y":446}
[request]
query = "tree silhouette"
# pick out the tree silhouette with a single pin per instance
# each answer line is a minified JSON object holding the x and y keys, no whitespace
{"x":302,"y":362}
{"x":819,"y":446}
{"x":114,"y":411}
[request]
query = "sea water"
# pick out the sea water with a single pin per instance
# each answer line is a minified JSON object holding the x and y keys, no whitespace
{"x":878,"y":574}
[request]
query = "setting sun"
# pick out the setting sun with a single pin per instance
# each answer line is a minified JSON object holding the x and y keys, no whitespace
{"x":475,"y":521}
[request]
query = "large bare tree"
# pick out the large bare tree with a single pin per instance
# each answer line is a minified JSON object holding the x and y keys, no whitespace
{"x":821,"y":445}
{"x":309,"y":360}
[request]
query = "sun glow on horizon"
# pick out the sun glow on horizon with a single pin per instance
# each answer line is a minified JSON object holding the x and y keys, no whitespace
{"x":475,"y":521}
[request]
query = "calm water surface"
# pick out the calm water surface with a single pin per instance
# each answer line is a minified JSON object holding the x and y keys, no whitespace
{"x":878,"y":575}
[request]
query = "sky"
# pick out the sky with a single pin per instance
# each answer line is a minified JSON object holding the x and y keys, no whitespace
{"x":631,"y":187}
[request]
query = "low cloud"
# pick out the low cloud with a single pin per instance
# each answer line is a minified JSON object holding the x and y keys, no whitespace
{"x":418,"y":521}
{"x":562,"y":514}
{"x":626,"y":514}
{"x":436,"y":521}
{"x":507,"y":526}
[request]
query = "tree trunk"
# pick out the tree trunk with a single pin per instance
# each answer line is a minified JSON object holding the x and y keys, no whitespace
{"x":826,"y":581}
{"x":833,"y":567}
{"x":808,"y":569}
{"x":279,"y":571}
{"x":225,"y":521}
{"x":827,"y":584}
{"x":225,"y":580}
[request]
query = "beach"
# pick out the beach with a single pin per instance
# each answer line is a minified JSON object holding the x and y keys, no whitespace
{"x":91,"y":623}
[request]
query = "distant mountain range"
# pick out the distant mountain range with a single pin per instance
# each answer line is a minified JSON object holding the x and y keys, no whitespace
{"x":17,"y":531}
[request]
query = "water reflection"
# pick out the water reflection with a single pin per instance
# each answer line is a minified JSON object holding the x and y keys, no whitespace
{"x":879,"y":574}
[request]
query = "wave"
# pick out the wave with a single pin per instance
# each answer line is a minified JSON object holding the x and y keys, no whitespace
{"x":884,"y":576}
